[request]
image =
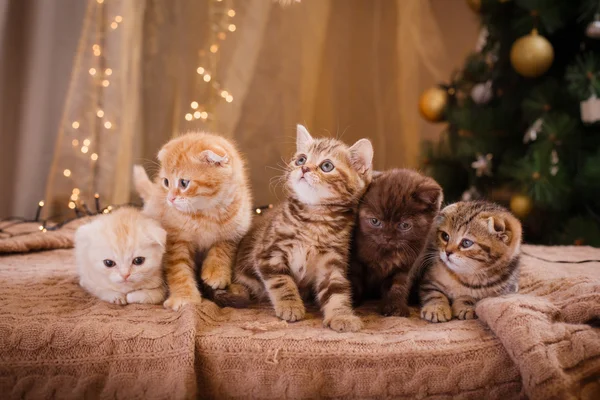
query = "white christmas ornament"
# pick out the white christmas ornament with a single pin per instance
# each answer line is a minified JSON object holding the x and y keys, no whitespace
{"x":482,"y":92}
{"x":593,"y":29}
{"x":533,"y":131}
{"x":482,"y":39}
{"x":590,"y":110}
{"x":483,"y":165}
{"x":554,"y":161}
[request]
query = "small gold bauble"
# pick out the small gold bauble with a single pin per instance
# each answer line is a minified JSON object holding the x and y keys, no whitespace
{"x":531,"y":55}
{"x":432,"y":104}
{"x":474,"y":5}
{"x":521,"y":205}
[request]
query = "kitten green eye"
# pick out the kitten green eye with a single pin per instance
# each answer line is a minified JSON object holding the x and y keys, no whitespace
{"x":109,"y":263}
{"x":327,"y":166}
{"x":404,"y":226}
{"x":466,"y":243}
{"x":445,"y":237}
{"x":301,"y":160}
{"x":138,"y":260}
{"x":166,"y":182}
{"x":375,"y":222}
{"x":184,"y":183}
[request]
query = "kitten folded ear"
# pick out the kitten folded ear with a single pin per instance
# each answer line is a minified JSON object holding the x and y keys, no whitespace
{"x":506,"y":226}
{"x":361,"y":155}
{"x":212,"y":157}
{"x":157,"y":234}
{"x":303,"y":138}
{"x":430,"y":193}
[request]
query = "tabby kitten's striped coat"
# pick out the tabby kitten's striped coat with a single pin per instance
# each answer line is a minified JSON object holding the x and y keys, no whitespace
{"x":302,"y":246}
{"x":473,"y":253}
{"x":202,"y":199}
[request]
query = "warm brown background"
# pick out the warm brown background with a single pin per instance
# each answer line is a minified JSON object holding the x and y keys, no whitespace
{"x":351,"y":67}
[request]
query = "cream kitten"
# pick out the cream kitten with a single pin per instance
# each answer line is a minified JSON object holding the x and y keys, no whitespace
{"x":119,"y":257}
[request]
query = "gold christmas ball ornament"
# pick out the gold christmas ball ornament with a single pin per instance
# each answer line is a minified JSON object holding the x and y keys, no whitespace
{"x":432,"y":104}
{"x":521,"y":205}
{"x":531,"y":55}
{"x":474,"y":5}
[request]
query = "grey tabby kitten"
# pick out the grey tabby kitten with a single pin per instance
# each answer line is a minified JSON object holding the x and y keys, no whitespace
{"x":302,"y":247}
{"x":473,"y":253}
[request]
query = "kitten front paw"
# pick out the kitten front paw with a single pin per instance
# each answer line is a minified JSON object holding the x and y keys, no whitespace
{"x":152,"y":296}
{"x":464,"y":312}
{"x":290,"y":310}
{"x":344,"y":323}
{"x":118,"y":298}
{"x":216,"y":275}
{"x":175,"y":303}
{"x":395,"y":309}
{"x":436,"y":312}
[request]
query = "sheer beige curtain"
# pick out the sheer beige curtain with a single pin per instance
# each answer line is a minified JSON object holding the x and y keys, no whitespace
{"x":346,"y":68}
{"x":37,"y":44}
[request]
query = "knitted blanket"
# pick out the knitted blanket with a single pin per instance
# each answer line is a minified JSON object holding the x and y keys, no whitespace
{"x":56,"y":341}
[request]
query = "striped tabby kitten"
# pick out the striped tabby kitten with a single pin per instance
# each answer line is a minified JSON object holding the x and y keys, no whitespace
{"x":202,"y":199}
{"x":473,"y":253}
{"x":302,"y":246}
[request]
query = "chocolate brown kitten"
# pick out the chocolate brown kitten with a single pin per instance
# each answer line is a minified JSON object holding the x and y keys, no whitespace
{"x":473,"y":253}
{"x":394,"y":218}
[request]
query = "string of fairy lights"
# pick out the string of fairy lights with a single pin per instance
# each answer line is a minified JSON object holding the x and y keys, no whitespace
{"x":221,"y":14}
{"x":101,"y":74}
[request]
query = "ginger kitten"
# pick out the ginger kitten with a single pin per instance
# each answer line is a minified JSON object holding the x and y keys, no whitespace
{"x":302,"y":246}
{"x":119,"y":257}
{"x":394,"y":218}
{"x":201,"y":197}
{"x":473,"y":253}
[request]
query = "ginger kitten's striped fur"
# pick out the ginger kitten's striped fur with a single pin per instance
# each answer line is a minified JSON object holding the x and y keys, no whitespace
{"x":302,"y":246}
{"x":473,"y":253}
{"x":202,"y":198}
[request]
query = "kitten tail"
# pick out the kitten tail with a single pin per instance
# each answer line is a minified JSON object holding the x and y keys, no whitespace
{"x":143,"y":184}
{"x":235,"y":296}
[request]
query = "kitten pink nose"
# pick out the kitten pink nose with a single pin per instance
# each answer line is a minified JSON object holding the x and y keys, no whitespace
{"x":171,"y":199}
{"x":125,"y":276}
{"x":448,"y":253}
{"x":305,"y":169}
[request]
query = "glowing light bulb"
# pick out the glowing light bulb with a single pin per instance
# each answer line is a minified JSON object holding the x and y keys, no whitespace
{"x":214,"y":48}
{"x":203,"y":115}
{"x":114,"y":25}
{"x":258,"y":210}
{"x":207,"y":78}
{"x":71,"y":205}
{"x":75,"y":142}
{"x":94,"y":156}
{"x":107,"y":125}
{"x":75,"y":124}
{"x":231,"y":13}
{"x":108,"y":71}
{"x":194,"y":104}
{"x":84,"y":149}
{"x":74,"y":197}
{"x":41,"y":204}
{"x":222,"y":35}
{"x":105,"y":83}
{"x":92,"y":71}
{"x":41,"y":228}
{"x":67,"y":173}
{"x":97,"y":52}
{"x":188,"y":117}
{"x":229,"y":99}
{"x":100,"y":1}
{"x":76,"y":191}
{"x":119,"y":19}
{"x":100,"y":113}
{"x":86,"y":142}
{"x":231,"y":27}
{"x":200,"y":70}
{"x":96,"y":47}
{"x":197,"y":114}
{"x":224,"y":94}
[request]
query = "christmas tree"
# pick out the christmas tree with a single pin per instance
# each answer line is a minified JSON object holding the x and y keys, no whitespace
{"x":522,"y":118}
